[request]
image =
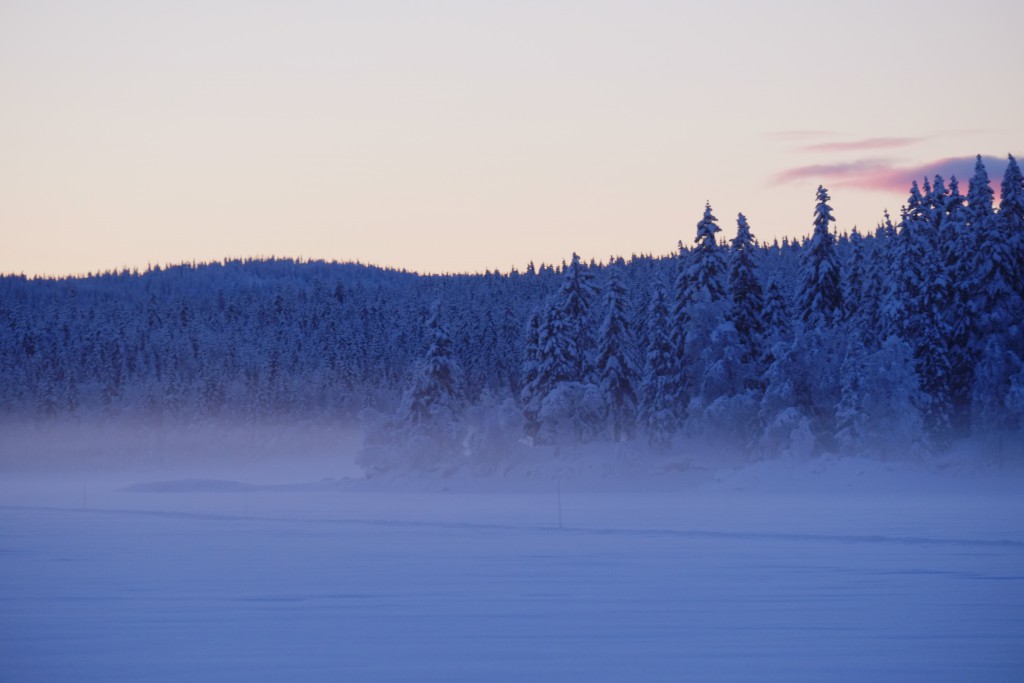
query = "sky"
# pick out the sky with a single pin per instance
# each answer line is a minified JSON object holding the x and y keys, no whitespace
{"x":461,"y":136}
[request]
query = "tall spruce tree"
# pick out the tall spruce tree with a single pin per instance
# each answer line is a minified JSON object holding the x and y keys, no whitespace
{"x":935,"y":203}
{"x":931,"y":344}
{"x":993,"y":303}
{"x":531,"y":394}
{"x":435,"y":394}
{"x":910,"y":272}
{"x":873,"y":320}
{"x":854,"y":280}
{"x":820,"y":293}
{"x":747,"y":293}
{"x":993,"y":293}
{"x":708,"y":270}
{"x":702,"y":305}
{"x":679,"y":321}
{"x":572,"y":306}
{"x":980,"y":196}
{"x":1011,"y":213}
{"x":657,"y":391}
{"x":565,"y":392}
{"x":851,"y":413}
{"x":557,"y":352}
{"x":616,"y":369}
{"x":777,"y":318}
{"x":958,"y":250}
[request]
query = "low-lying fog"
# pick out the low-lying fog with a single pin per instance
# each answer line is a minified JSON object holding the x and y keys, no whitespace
{"x":238,"y":552}
{"x":263,"y":453}
{"x":310,"y":468}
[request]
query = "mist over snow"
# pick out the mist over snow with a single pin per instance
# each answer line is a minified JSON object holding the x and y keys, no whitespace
{"x":831,"y":568}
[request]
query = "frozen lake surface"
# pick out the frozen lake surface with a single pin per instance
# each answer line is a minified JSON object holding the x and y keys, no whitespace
{"x":220,"y":584}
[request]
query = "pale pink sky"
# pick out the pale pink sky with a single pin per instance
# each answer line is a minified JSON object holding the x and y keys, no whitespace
{"x":462,"y":136}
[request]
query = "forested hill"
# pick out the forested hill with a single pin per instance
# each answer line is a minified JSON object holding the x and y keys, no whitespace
{"x":909,"y":334}
{"x":249,"y":338}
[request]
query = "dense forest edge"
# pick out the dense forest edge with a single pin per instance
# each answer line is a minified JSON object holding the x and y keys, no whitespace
{"x":899,"y":341}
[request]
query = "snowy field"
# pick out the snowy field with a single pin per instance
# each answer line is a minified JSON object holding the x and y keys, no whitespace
{"x":844,"y":570}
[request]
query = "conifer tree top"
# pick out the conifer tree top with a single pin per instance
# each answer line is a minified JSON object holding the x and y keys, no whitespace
{"x":822,"y":212}
{"x":707,"y":227}
{"x":980,"y":196}
{"x":1011,"y":204}
{"x":743,"y":238}
{"x":954,"y":201}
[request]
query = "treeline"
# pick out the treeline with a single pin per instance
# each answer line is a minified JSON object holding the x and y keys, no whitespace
{"x":908,"y":336}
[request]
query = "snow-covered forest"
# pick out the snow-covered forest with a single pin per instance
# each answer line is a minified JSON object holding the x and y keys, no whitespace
{"x":902,"y":338}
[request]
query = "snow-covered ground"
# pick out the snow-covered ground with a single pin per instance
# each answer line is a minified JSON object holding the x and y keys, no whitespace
{"x":817,"y":570}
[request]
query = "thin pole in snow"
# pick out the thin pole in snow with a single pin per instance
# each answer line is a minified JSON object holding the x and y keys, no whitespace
{"x":559,"y":482}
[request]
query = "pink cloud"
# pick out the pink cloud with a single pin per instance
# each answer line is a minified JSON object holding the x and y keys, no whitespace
{"x":830,"y":172}
{"x":882,"y":175}
{"x":857,"y":145}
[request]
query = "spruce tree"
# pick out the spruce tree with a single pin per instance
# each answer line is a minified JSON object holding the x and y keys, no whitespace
{"x":777,"y":318}
{"x":820,"y":294}
{"x":557,"y":352}
{"x":531,"y":395}
{"x":435,"y":394}
{"x":708,"y":270}
{"x":679,"y":323}
{"x":958,"y":250}
{"x":853,"y":281}
{"x":746,"y":291}
{"x":911,"y":272}
{"x":851,"y":413}
{"x":701,"y":304}
{"x":657,"y":396}
{"x":616,"y":369}
{"x":935,"y":203}
{"x":994,"y":304}
{"x":1011,"y":213}
{"x":873,"y":317}
{"x":993,"y":294}
{"x":980,"y":196}
{"x":572,"y":306}
{"x":565,"y":389}
{"x":931,"y":342}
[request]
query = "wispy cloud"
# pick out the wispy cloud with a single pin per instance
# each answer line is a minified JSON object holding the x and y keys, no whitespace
{"x":861,"y":145}
{"x":797,"y":135}
{"x":884,"y":176}
{"x":830,"y":172}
